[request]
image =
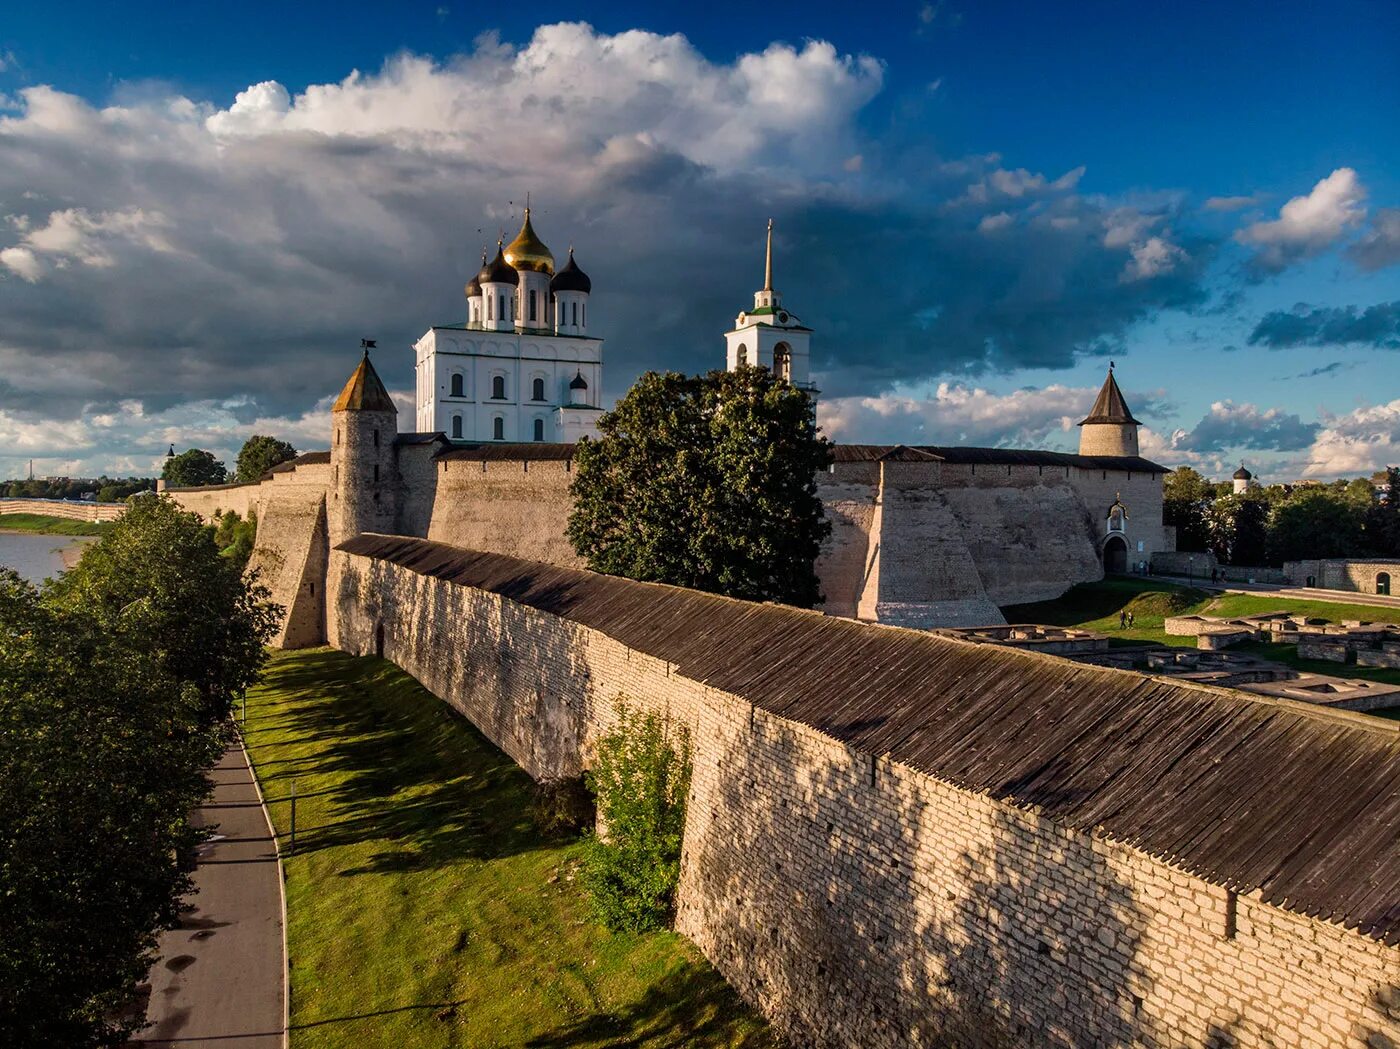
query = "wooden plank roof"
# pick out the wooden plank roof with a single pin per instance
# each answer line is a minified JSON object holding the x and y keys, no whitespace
{"x":1244,"y":791}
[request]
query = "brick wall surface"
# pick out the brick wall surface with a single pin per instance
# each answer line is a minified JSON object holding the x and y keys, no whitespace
{"x":860,"y":903}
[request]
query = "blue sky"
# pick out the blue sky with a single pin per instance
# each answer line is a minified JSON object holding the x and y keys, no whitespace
{"x":978,"y":206}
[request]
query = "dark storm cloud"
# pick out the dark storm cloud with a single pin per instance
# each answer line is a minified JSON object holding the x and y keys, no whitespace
{"x":171,"y":253}
{"x":1377,"y":326}
{"x":1380,"y":245}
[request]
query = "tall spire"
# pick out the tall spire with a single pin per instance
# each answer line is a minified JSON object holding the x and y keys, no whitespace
{"x":768,"y":261}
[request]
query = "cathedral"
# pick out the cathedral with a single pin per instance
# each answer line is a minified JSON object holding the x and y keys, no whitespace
{"x":521,"y":366}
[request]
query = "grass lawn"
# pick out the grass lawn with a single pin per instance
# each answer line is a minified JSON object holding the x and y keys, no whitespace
{"x":51,"y":525}
{"x":424,"y":908}
{"x":1095,"y":606}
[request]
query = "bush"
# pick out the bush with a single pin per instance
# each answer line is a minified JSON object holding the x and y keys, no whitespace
{"x":562,"y":807}
{"x":640,"y":780}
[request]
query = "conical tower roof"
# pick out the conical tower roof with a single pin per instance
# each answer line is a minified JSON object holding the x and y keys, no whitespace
{"x":1109,"y":406}
{"x":364,"y":392}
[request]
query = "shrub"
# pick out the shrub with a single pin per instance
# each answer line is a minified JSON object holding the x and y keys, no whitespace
{"x":640,"y":780}
{"x":562,"y":807}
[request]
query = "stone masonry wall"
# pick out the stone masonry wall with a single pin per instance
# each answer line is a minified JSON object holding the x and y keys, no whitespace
{"x":519,"y":508}
{"x":859,"y":902}
{"x":69,"y":509}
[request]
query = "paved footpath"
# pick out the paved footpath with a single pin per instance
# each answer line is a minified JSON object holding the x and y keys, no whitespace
{"x":220,"y":980}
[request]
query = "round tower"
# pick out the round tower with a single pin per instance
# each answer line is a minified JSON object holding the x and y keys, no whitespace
{"x":571,"y":288}
{"x":364,"y":474}
{"x":1244,"y":480}
{"x":534,"y":264}
{"x":1110,"y":428}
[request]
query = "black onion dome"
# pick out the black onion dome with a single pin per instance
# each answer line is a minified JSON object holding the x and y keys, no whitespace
{"x":498,"y":271}
{"x":578,"y":382}
{"x":473,"y":288}
{"x":1242,"y":474}
{"x":571,"y":278}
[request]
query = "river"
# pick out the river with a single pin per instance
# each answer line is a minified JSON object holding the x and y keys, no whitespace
{"x":35,"y":557}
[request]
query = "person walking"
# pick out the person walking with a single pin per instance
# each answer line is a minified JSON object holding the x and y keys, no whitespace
{"x":1130,"y":620}
{"x":1122,"y":619}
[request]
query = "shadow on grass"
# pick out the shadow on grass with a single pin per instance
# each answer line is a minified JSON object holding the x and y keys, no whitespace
{"x":680,"y":1010}
{"x":1088,"y":602}
{"x":387,"y":761}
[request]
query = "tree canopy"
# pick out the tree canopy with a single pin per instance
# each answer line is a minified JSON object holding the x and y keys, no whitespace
{"x":114,"y":683}
{"x":193,"y":468}
{"x":259,"y":455}
{"x":706,"y":482}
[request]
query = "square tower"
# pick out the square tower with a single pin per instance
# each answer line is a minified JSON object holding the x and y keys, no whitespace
{"x":769,"y":335}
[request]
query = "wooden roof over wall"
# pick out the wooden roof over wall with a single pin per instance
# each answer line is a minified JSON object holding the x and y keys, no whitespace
{"x":1244,"y":791}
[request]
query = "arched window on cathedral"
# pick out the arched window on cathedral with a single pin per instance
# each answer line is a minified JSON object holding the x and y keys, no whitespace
{"x":498,"y":429}
{"x":498,"y":387}
{"x":538,"y":392}
{"x":539,"y":429}
{"x":782,"y":361}
{"x":490,"y":307}
{"x":575,"y":314}
{"x":741,"y":356}
{"x":457,"y":427}
{"x":457,"y":385}
{"x":501,"y":312}
{"x":532,"y":304}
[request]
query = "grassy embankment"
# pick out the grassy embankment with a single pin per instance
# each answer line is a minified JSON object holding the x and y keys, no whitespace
{"x":424,"y":908}
{"x":46,"y":525}
{"x":1095,"y":606}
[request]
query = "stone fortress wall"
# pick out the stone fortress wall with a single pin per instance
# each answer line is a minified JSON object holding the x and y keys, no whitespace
{"x":858,"y":896}
{"x":914,"y":541}
{"x":1362,"y":576}
{"x":68,"y":509}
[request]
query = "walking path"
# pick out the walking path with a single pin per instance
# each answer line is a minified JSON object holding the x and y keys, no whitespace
{"x":221,"y":977}
{"x":1296,"y":593}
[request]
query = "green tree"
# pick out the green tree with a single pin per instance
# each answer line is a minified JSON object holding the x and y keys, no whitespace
{"x":1315,"y":522}
{"x":193,"y":468}
{"x":1185,"y":497}
{"x":157,"y":577}
{"x":1237,"y":528}
{"x":706,"y":482}
{"x":234,"y":536}
{"x":641,"y":778}
{"x":102,"y":756}
{"x":1383,"y":518}
{"x":259,"y":455}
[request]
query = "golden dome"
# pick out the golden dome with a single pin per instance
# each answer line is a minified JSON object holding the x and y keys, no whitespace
{"x":527,"y":251}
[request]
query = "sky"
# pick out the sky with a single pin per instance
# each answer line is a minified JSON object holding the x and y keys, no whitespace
{"x":978,"y":206}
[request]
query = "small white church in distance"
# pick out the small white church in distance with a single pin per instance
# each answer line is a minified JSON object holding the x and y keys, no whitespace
{"x":522,"y":366}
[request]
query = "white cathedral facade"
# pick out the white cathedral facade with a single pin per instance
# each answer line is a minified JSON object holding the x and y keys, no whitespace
{"x":522,"y":366}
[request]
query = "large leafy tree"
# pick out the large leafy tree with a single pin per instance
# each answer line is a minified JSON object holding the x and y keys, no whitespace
{"x":259,"y":455}
{"x":1237,"y":526}
{"x":1383,"y":518}
{"x":1186,"y":495}
{"x":114,"y":682}
{"x":706,"y":482}
{"x":193,"y":468}
{"x":1315,"y":522}
{"x":157,"y":577}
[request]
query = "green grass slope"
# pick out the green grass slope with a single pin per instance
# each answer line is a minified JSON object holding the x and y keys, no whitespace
{"x":47,"y":525}
{"x":424,"y":909}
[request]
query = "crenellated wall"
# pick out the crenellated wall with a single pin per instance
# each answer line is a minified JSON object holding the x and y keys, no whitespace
{"x":858,"y":900}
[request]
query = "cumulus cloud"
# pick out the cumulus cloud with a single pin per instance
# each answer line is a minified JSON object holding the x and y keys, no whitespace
{"x":957,"y":413}
{"x":1380,"y":246}
{"x":1307,"y":225}
{"x":174,"y":252}
{"x":1377,"y":326}
{"x":1229,"y":425}
{"x":1361,"y":441}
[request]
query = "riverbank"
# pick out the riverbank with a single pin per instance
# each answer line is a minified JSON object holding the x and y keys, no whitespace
{"x":46,"y":524}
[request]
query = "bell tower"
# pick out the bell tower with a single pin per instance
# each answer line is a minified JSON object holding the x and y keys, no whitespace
{"x":769,"y":335}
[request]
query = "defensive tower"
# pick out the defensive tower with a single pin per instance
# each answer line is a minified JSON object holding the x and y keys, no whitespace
{"x":364,"y":477}
{"x":1110,"y":428}
{"x":770,"y":336}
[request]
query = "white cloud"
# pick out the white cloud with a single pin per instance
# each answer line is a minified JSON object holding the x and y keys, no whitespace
{"x":1152,"y":258}
{"x":992,"y":223}
{"x":1361,"y":441}
{"x":1308,"y":225}
{"x":1380,"y":247}
{"x":1231,"y":203}
{"x":957,"y":414}
{"x":73,"y":235}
